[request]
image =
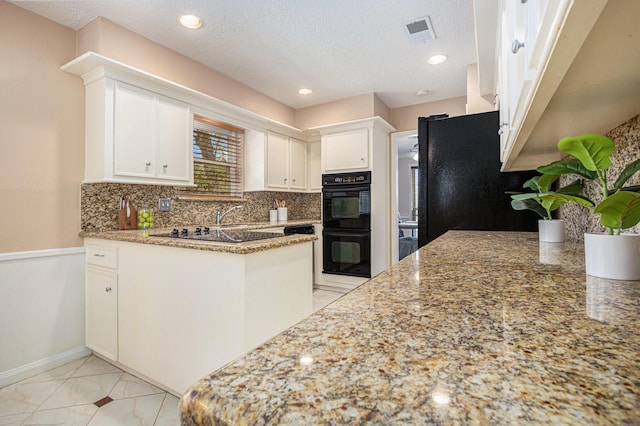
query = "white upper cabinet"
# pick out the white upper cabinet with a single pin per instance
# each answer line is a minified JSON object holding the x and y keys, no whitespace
{"x":174,"y":122}
{"x":346,"y":151}
{"x":354,"y":145}
{"x":297,"y":164}
{"x":134,"y":135}
{"x":139,"y":129}
{"x":134,"y":132}
{"x":275,"y":162}
{"x":152,"y":136}
{"x":314,"y":172}
{"x":286,"y":163}
{"x":544,"y":52}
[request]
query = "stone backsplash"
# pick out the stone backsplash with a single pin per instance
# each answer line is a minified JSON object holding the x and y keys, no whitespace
{"x":579,"y":220}
{"x":99,"y":206}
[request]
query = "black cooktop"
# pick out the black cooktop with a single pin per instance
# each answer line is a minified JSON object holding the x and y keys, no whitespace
{"x":217,"y":235}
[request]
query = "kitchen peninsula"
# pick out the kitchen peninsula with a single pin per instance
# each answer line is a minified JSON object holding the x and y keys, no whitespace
{"x":174,"y":309}
{"x":476,"y":327}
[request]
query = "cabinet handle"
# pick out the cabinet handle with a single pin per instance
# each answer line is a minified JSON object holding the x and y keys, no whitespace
{"x":164,"y":168}
{"x":294,"y":181}
{"x":516,"y":45}
{"x":98,"y":255}
{"x":362,"y":159}
{"x":502,"y":126}
{"x":107,"y":289}
{"x":285,"y":180}
{"x":147,"y":165}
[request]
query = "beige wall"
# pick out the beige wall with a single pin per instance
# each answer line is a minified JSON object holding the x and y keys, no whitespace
{"x":41,"y":134}
{"x":380,"y":109}
{"x":475,"y":102}
{"x":406,"y":118}
{"x":42,"y":113}
{"x":106,"y":38}
{"x":348,"y":109}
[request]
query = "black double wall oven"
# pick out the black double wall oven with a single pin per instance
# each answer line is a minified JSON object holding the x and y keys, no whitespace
{"x":346,"y":223}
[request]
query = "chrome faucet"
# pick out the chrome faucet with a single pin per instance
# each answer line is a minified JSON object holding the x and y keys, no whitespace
{"x":221,"y":215}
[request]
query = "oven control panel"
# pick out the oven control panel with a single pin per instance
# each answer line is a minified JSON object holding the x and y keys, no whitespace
{"x":357,"y":178}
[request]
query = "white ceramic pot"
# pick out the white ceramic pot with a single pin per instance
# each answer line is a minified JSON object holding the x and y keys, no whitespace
{"x":614,"y":257}
{"x":551,"y":231}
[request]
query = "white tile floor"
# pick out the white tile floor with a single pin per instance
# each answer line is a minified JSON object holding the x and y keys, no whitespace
{"x":321,"y":298}
{"x":67,"y":395}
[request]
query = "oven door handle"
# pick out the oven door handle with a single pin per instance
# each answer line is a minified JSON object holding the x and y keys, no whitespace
{"x":346,"y":233}
{"x":346,"y":189}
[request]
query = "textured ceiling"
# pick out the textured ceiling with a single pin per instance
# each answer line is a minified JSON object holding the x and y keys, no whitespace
{"x":338,"y":48}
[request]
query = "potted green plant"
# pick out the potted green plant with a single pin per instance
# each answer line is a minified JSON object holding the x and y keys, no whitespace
{"x":544,"y":201}
{"x":612,"y":254}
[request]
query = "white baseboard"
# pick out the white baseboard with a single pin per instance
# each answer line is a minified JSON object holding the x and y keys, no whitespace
{"x":138,"y":375}
{"x":331,"y":288}
{"x":29,"y":370}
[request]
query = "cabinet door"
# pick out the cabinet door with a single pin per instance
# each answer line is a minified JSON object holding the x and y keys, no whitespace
{"x":174,"y":129}
{"x":101,"y":316}
{"x":346,"y":151}
{"x":277,"y":161}
{"x":314,"y":176}
{"x":134,"y":128}
{"x":297,"y":164}
{"x":516,"y":19}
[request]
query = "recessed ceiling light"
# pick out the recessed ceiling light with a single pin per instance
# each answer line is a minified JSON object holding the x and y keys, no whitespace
{"x":422,"y":92}
{"x":437,"y":59}
{"x":190,"y":21}
{"x":305,"y":91}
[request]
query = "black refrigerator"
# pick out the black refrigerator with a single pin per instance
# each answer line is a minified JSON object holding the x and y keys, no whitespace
{"x":460,"y":185}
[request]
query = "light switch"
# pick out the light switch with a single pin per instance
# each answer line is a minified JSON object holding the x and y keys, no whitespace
{"x":164,"y":204}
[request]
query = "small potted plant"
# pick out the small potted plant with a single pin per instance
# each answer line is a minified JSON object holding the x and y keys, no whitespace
{"x":543,"y":201}
{"x":612,"y":254}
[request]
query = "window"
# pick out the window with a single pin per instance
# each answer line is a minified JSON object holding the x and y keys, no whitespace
{"x":217,"y":160}
{"x":414,"y":193}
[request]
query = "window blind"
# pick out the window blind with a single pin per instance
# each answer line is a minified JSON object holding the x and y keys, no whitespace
{"x":217,"y":160}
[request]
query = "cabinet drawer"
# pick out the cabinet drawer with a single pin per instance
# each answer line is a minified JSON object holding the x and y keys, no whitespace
{"x":102,"y":256}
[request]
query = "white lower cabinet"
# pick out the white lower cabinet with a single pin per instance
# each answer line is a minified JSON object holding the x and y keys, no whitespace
{"x":101,"y":301}
{"x":180,"y":313}
{"x":183,"y":313}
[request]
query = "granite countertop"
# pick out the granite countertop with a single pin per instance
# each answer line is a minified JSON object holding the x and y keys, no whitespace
{"x":476,"y":327}
{"x":146,"y":237}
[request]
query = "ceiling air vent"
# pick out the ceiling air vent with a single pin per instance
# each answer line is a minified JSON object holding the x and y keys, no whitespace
{"x":420,"y":30}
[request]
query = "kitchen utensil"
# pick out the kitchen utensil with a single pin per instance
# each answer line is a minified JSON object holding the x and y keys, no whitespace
{"x":127,"y":215}
{"x":282,"y":214}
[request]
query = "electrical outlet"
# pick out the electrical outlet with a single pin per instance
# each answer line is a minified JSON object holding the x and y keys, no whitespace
{"x":164,"y":204}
